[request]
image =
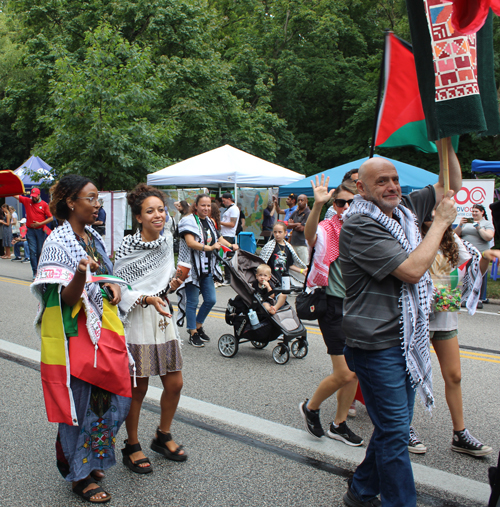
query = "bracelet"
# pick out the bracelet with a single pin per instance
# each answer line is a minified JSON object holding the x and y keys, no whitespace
{"x":142,"y":301}
{"x":78,"y":269}
{"x":202,"y":248}
{"x":301,"y":270}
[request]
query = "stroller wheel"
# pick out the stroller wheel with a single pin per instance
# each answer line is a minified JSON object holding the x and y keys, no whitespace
{"x":259,"y":345}
{"x":228,"y":345}
{"x":281,"y":353}
{"x":299,"y":348}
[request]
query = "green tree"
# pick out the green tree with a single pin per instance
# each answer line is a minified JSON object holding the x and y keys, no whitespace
{"x":103,"y":124}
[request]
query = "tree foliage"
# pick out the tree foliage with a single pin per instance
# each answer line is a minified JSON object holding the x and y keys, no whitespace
{"x":117,"y":89}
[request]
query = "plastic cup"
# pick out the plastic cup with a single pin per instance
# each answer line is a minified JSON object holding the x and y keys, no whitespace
{"x":183,"y":269}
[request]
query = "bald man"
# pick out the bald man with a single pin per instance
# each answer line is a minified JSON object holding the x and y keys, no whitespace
{"x":297,"y":222}
{"x":384,"y":265}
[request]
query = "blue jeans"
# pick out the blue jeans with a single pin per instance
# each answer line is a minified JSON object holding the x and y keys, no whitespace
{"x":17,"y":249}
{"x":207,"y":289}
{"x":389,"y":398}
{"x":36,"y":238}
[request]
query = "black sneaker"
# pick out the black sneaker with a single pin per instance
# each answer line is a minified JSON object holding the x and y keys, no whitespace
{"x":311,"y":418}
{"x":464,"y":442}
{"x":415,"y":445}
{"x":344,"y":434}
{"x":352,"y":501}
{"x":204,"y":337}
{"x":16,"y":259}
{"x":195,"y":340}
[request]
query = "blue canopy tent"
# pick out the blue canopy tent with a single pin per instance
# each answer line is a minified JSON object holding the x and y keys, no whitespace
{"x":485,"y":166}
{"x":410,"y":177}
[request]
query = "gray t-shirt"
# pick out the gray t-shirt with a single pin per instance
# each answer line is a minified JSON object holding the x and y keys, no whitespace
{"x":471,"y":234}
{"x":299,"y":217}
{"x":368,"y":256}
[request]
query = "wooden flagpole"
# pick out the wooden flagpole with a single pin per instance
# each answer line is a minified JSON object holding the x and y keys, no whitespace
{"x":446,"y":165}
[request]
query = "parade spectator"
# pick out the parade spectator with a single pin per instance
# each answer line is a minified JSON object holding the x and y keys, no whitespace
{"x":74,"y":316}
{"x":325,"y":272}
{"x":351,"y":175}
{"x":37,"y":215}
{"x":21,"y":241}
{"x":7,"y":231}
{"x":182,"y":207}
{"x":215,"y":214}
{"x":268,"y":221}
{"x":199,"y":246}
{"x":229,"y":224}
{"x":15,"y":222}
{"x":452,"y":253}
{"x":100,"y":224}
{"x":480,"y":232}
{"x":281,"y":256}
{"x":386,"y":313}
{"x":241,"y":221}
{"x":291,"y":202}
{"x":146,"y":261}
{"x":296,"y":222}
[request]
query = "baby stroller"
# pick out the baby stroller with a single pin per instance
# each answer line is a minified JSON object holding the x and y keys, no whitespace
{"x":284,"y":325}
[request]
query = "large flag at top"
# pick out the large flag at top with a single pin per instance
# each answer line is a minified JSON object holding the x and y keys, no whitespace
{"x":455,"y":72}
{"x":401,"y":119}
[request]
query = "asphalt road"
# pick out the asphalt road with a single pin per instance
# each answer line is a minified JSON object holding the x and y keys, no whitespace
{"x":240,"y":424}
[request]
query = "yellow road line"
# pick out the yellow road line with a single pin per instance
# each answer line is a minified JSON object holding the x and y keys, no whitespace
{"x":478,"y":356}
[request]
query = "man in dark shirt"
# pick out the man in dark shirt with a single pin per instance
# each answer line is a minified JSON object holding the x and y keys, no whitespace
{"x":381,"y":264}
{"x":297,"y":222}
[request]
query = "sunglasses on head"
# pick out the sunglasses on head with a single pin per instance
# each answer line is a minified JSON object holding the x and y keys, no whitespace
{"x":342,"y":202}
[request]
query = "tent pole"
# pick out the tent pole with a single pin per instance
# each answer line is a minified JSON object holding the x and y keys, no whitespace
{"x":235,"y":192}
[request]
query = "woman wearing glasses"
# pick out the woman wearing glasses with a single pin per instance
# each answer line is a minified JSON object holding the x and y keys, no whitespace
{"x":86,"y":388}
{"x":325,"y":272}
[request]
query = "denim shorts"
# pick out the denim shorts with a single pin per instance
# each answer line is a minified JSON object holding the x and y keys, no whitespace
{"x":443,"y":335}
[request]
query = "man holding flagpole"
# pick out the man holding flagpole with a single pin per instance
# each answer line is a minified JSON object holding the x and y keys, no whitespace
{"x":384,"y":265}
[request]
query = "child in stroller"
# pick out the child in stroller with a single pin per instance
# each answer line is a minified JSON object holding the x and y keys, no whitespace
{"x":283,"y":325}
{"x":264,"y":289}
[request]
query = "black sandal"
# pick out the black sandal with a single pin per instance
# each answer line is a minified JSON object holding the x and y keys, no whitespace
{"x":87,"y":496}
{"x":159,"y":444}
{"x":134,"y":465}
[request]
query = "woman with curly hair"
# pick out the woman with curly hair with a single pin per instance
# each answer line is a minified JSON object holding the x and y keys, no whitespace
{"x":84,"y":359}
{"x":452,"y":255}
{"x":145,"y":260}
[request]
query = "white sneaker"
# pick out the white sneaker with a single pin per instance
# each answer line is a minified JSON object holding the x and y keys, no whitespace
{"x":352,"y":409}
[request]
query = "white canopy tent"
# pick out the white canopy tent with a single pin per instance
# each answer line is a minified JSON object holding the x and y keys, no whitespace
{"x":223,"y":167}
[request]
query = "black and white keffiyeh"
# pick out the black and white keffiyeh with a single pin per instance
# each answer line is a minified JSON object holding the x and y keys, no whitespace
{"x":415,"y":300}
{"x":473,"y":279}
{"x":148,"y":266}
{"x":59,"y":259}
{"x":268,"y":249}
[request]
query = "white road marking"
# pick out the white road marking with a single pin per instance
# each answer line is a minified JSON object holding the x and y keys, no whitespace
{"x":426,"y":476}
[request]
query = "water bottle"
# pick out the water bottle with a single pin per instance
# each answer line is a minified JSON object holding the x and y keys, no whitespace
{"x":252,"y":315}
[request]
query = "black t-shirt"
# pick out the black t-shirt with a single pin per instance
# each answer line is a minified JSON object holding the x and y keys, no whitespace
{"x":263,"y":292}
{"x":281,"y":259}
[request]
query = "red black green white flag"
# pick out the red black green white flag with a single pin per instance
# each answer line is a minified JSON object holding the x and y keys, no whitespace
{"x":401,"y":119}
{"x":455,"y":71}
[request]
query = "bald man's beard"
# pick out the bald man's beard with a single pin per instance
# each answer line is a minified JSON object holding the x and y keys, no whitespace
{"x":384,"y":205}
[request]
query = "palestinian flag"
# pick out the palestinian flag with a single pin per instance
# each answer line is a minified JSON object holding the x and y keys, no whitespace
{"x":455,"y":72}
{"x":401,"y":119}
{"x":91,"y":278}
{"x":457,"y":275}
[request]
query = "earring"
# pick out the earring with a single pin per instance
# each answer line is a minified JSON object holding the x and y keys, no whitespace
{"x":72,"y":209}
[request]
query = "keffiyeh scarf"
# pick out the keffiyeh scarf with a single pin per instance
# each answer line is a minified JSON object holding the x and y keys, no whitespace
{"x":59,"y":259}
{"x":326,"y":251}
{"x":268,"y":249}
{"x":415,"y":300}
{"x":148,"y":266}
{"x":472,"y":280}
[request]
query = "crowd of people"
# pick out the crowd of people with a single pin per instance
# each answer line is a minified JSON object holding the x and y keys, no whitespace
{"x":381,"y":257}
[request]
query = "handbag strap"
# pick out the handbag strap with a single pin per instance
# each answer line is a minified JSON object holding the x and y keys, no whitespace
{"x":308,"y":269}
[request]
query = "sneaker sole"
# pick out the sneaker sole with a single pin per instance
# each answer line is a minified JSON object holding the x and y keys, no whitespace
{"x":479,"y":453}
{"x":340,"y":438}
{"x":302,"y":413}
{"x":416,"y":450}
{"x":197,"y":346}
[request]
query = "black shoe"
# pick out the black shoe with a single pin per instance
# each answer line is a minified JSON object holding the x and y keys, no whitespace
{"x":415,"y":445}
{"x":311,"y":418}
{"x":195,"y":340}
{"x":16,"y":259}
{"x":464,"y":442}
{"x":486,"y":301}
{"x":344,"y":434}
{"x":352,"y":501}
{"x":25,"y":260}
{"x":204,"y":337}
{"x":479,"y":304}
